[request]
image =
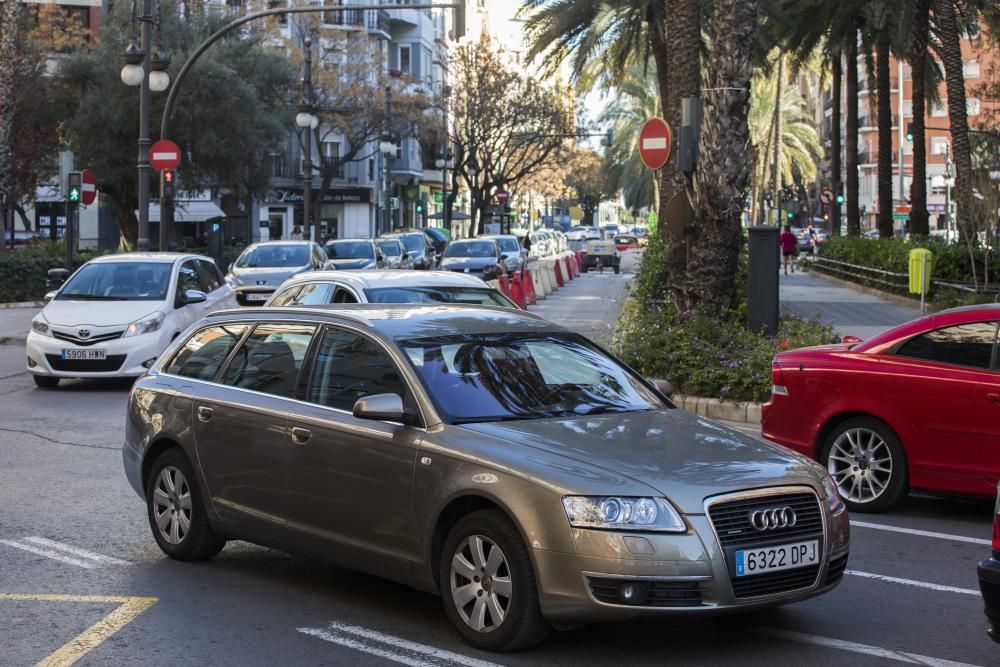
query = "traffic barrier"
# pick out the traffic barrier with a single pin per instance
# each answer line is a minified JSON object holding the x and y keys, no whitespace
{"x":580,"y":258}
{"x":568,"y":269}
{"x":571,"y":265}
{"x":547,"y":281}
{"x":516,"y":291}
{"x":504,"y":286}
{"x":558,"y":272}
{"x":528,"y":285}
{"x":550,"y":274}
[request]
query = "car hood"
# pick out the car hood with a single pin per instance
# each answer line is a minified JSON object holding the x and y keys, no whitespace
{"x":343,"y":264}
{"x":97,"y":313}
{"x":471,"y":263}
{"x":685,"y":457}
{"x":265,"y":276}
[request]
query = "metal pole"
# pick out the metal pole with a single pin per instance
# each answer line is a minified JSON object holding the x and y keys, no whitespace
{"x":144,"y":102}
{"x":923,"y":280}
{"x":902,"y":133}
{"x":947,"y":192}
{"x":444,"y":191}
{"x":307,"y":217}
{"x":388,"y":163}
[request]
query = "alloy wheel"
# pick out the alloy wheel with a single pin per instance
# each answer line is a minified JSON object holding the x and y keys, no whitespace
{"x":172,"y":505}
{"x":480,"y":583}
{"x":860,"y":463}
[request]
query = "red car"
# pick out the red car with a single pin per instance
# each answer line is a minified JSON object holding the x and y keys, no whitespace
{"x":916,"y":407}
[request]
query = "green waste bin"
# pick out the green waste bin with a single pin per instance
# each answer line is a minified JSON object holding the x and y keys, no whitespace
{"x":918,"y":257}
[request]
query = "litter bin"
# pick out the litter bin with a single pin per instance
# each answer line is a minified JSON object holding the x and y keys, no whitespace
{"x":921,"y":261}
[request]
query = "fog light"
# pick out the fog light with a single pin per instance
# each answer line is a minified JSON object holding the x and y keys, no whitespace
{"x":31,"y":363}
{"x":149,"y":363}
{"x":632,"y":593}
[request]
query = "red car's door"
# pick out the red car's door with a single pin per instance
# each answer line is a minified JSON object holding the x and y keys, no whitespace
{"x":933,"y":380}
{"x":988,"y":419}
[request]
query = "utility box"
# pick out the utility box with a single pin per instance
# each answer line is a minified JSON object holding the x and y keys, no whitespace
{"x":762,"y":279}
{"x":215,"y":243}
{"x":921,"y":261}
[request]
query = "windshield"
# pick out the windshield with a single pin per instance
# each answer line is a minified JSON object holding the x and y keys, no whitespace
{"x":482,"y":296}
{"x":497,"y":377}
{"x":118,"y":281}
{"x":472,"y":249}
{"x":278,"y":256}
{"x":391,"y":248}
{"x":508,"y":244}
{"x":413,"y":242}
{"x":350,"y":250}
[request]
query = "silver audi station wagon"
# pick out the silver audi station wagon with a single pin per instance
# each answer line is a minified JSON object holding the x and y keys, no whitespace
{"x":476,"y":452}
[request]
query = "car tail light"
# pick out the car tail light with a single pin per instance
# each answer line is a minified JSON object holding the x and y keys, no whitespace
{"x":996,"y":522}
{"x":621,"y":247}
{"x":778,"y":381}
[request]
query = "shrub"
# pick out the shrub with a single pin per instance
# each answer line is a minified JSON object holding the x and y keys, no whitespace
{"x":951,"y":260}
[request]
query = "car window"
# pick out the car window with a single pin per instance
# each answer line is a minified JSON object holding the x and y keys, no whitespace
{"x":286,"y":297}
{"x":343,"y":295}
{"x":203,"y":353}
{"x":964,"y":345}
{"x":314,"y":294}
{"x":188,"y":278}
{"x":210,"y":279}
{"x":270,"y":358}
{"x":348,"y":367}
{"x":118,"y":281}
{"x":483,"y":296}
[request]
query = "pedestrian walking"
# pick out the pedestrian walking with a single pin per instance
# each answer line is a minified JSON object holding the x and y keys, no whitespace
{"x":526,"y":242}
{"x":788,"y":245}
{"x":296,"y":233}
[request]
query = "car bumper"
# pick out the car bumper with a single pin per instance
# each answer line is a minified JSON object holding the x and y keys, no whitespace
{"x":681,"y":574}
{"x":253,"y":296}
{"x":989,"y":584}
{"x":125,"y":356}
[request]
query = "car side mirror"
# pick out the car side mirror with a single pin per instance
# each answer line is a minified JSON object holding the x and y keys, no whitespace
{"x":662,"y":386}
{"x":380,"y":407}
{"x":50,"y":295}
{"x":194,"y":296}
{"x":851,"y":340}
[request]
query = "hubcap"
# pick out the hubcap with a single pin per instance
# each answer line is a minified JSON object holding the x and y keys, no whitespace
{"x":172,"y":505}
{"x":861,"y":465}
{"x":480,"y":583}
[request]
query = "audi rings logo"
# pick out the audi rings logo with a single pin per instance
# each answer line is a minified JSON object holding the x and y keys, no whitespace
{"x":772,"y":519}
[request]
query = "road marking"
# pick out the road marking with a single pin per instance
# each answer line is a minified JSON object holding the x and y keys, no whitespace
{"x":48,"y":553}
{"x":369,"y":641}
{"x":922,"y":533}
{"x":129,"y":608}
{"x":76,"y":551}
{"x":912,"y":582}
{"x":58,"y":551}
{"x":866,"y":649}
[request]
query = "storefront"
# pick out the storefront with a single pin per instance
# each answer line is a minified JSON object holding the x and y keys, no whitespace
{"x":343,"y":213}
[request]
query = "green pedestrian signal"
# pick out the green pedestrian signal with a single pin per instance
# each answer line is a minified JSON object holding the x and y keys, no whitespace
{"x":840,"y":199}
{"x":790,"y":215}
{"x":909,"y":131}
{"x":420,"y":208}
{"x":74,"y":189}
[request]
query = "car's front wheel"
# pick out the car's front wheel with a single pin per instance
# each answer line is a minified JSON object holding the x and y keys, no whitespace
{"x":867,"y":463}
{"x":176,"y":510}
{"x":488,"y":584}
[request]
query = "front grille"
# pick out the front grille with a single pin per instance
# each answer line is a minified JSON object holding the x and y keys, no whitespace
{"x":86,"y":342}
{"x":241,"y":297}
{"x":775,"y":582}
{"x":731,"y":520}
{"x":836,"y":571}
{"x":659,"y":593}
{"x":112,"y":363}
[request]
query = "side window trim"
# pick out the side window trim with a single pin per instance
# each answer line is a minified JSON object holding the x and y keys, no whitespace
{"x":995,"y":356}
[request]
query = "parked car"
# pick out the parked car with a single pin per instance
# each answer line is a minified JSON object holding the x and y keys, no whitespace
{"x":477,"y":257}
{"x":641,"y":233}
{"x":625,"y":242}
{"x":578,"y":233}
{"x":117,"y":313}
{"x":354,"y":254}
{"x":395,"y":254}
{"x":323,"y":287}
{"x":260,"y":268}
{"x":989,"y":578}
{"x":541,"y":244}
{"x":483,"y":454}
{"x":418,"y":247}
{"x":610,"y":230}
{"x":601,"y":254}
{"x":514,"y":255}
{"x":877,"y":414}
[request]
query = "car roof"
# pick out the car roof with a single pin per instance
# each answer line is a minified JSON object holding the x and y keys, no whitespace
{"x":391,"y":278}
{"x":285,"y":242}
{"x":410,"y":320}
{"x":964,"y":309}
{"x":165,"y":257}
{"x":357,"y":240}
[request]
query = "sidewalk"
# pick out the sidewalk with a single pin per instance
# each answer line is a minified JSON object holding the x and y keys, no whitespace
{"x":15,"y":323}
{"x":588,"y":305}
{"x":848,"y":311}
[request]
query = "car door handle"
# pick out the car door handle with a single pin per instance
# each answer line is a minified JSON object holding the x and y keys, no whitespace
{"x":995,"y":397}
{"x":204,"y":413}
{"x":300,"y":436}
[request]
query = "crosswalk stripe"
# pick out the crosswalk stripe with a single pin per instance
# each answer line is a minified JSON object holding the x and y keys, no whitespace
{"x":48,"y":553}
{"x":76,"y":551}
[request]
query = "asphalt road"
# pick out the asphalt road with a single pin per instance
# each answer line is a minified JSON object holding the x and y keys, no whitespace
{"x":81,"y":577}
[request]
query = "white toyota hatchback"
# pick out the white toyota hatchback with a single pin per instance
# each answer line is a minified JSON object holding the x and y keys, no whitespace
{"x":117,"y":313}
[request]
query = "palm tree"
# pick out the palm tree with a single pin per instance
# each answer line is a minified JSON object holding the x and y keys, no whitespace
{"x":635,"y":102}
{"x":837,"y":66}
{"x":853,"y":209}
{"x":884,"y":87}
{"x":8,"y":51}
{"x":918,"y":60}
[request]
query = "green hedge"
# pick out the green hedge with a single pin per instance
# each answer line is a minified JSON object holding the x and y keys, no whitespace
{"x":951,"y":260}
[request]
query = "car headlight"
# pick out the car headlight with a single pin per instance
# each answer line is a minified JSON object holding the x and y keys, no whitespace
{"x":623,"y":513}
{"x":833,"y":499}
{"x":146,"y":325}
{"x":40,"y":325}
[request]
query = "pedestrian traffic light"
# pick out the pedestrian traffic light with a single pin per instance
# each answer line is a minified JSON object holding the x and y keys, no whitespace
{"x":840,"y":193}
{"x":789,"y":215}
{"x":74,"y":189}
{"x":420,"y":207}
{"x":909,"y":131}
{"x":169,"y":178}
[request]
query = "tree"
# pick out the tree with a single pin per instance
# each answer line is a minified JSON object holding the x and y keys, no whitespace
{"x":507,"y":125}
{"x":836,"y":171}
{"x":9,"y":30}
{"x":919,"y":62}
{"x":586,"y":180}
{"x":231,"y":115}
{"x":636,"y":101}
{"x":883,"y":84}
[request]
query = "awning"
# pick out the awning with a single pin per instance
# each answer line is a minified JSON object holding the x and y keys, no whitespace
{"x":188,"y":211}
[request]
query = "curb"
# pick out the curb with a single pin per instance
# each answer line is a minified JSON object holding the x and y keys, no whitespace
{"x":745,"y":412}
{"x":23,"y":304}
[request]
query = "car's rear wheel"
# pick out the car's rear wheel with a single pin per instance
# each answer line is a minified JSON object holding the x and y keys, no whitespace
{"x":176,"y":510}
{"x":45,"y":381}
{"x":488,"y":584}
{"x":867,"y":463}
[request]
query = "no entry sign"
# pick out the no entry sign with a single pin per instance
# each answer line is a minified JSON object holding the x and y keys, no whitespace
{"x":503,"y":196}
{"x":164,"y":154}
{"x":88,"y":185}
{"x":654,"y":143}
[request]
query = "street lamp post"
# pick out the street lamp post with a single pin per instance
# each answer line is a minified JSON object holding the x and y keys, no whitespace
{"x":308,"y":122}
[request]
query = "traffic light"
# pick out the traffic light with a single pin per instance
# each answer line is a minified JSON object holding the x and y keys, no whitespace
{"x":789,"y":215}
{"x":420,"y":208}
{"x":169,"y":178}
{"x":458,"y":30}
{"x":909,"y":131}
{"x":74,"y":189}
{"x":840,"y":193}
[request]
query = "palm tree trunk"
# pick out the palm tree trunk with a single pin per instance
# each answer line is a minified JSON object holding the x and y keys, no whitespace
{"x":951,"y":56}
{"x":884,"y":84}
{"x":853,"y":211}
{"x":777,"y":171}
{"x":719,"y":186}
{"x":919,"y":219}
{"x":835,"y":147}
{"x":8,"y":52}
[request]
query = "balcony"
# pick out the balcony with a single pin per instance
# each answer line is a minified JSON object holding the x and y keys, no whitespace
{"x":345,"y":18}
{"x":378,"y":22}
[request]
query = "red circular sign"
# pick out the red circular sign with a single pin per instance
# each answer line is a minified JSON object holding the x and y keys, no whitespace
{"x":88,"y":184}
{"x":503,"y":196}
{"x":164,"y":154}
{"x":654,"y":143}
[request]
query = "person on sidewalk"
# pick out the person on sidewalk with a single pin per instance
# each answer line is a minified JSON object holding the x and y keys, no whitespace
{"x":788,"y":246}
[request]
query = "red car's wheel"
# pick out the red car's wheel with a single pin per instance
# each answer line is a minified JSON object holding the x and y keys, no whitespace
{"x":866,"y":461}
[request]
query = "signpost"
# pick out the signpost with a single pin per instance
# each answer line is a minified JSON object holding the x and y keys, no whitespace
{"x":655,"y":143}
{"x":826,"y":196}
{"x":502,"y":196}
{"x":88,"y":187}
{"x":164,"y":154}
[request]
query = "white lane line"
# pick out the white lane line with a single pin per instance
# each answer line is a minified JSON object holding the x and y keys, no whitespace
{"x":48,"y":553}
{"x":368,"y":641}
{"x":922,"y":533}
{"x":912,"y":582}
{"x":866,"y":649}
{"x":76,"y":551}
